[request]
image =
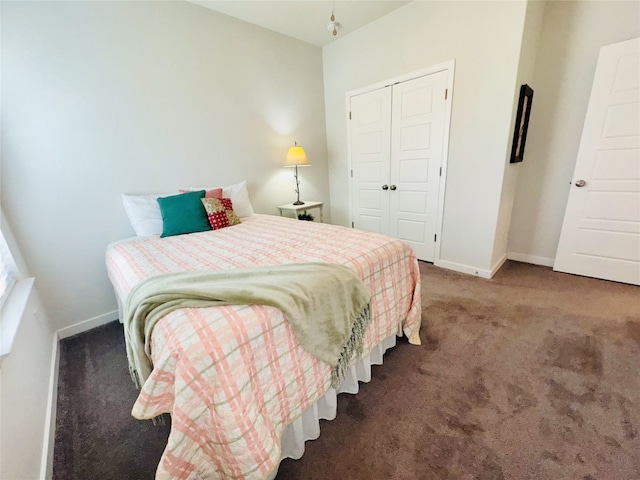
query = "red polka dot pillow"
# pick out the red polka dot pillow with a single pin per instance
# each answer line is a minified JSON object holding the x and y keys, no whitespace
{"x":220,"y":212}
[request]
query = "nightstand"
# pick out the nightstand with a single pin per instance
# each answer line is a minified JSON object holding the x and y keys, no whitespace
{"x":290,"y":207}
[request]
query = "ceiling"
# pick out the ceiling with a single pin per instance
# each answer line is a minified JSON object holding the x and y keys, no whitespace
{"x":302,"y":19}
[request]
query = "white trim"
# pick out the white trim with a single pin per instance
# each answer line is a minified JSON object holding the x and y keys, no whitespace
{"x":46,"y":464}
{"x":448,"y":66}
{"x":349,"y":162}
{"x":423,"y":72}
{"x":9,"y":273}
{"x":478,"y":272}
{"x":88,"y":324}
{"x":523,"y":257}
{"x":458,"y":267}
{"x":12,"y":313}
{"x":451,"y":67}
{"x":498,"y":265}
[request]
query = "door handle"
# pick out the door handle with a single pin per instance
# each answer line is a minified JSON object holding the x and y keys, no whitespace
{"x":579,"y":183}
{"x":392,"y":187}
{"x":385,"y":187}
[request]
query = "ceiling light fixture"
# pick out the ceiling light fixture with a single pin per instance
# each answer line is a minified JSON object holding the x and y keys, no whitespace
{"x":332,"y":25}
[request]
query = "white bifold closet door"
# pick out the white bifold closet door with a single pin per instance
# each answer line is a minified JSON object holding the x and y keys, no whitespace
{"x":397,"y":138}
{"x":370,"y":159}
{"x":601,"y":230}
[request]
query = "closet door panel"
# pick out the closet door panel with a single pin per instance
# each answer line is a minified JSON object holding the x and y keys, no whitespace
{"x":370,"y":156}
{"x":417,"y":119}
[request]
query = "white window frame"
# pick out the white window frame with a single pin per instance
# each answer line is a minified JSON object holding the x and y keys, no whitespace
{"x":8,"y":270}
{"x":13,"y":301}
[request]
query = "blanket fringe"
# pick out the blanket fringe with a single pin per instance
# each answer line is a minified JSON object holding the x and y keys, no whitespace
{"x":354,"y":346}
{"x":134,"y":376}
{"x":160,"y":420}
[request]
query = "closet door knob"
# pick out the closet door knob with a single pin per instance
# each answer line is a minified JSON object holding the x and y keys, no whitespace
{"x":392,"y":187}
{"x":385,"y":187}
{"x":580,"y":183}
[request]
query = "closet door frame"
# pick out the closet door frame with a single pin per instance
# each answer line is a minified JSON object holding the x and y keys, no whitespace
{"x":449,"y":67}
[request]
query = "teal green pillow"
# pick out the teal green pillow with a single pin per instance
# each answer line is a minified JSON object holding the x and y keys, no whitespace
{"x":183,"y":213}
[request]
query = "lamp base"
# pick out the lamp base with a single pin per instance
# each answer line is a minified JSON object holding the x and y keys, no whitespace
{"x":297,"y":202}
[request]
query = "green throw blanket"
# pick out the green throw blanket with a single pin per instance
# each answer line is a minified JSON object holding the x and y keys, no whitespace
{"x":326,"y":304}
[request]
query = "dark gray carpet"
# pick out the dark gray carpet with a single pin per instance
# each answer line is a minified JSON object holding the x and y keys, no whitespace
{"x":96,"y":437}
{"x":531,"y":375}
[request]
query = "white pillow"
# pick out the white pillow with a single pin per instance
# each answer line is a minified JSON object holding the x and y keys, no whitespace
{"x":239,"y":196}
{"x":144,"y":213}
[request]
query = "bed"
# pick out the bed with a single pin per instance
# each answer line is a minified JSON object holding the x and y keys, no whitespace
{"x":241,"y":391}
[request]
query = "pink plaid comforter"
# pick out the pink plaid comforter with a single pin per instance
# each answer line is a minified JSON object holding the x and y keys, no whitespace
{"x":234,"y":377}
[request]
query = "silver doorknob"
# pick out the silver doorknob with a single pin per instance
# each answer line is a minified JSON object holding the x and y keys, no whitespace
{"x":580,"y":183}
{"x":392,"y":187}
{"x":385,"y":187}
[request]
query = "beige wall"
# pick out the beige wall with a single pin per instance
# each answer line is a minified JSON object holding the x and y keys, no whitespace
{"x":572,"y":34}
{"x":101,"y":98}
{"x":526,"y":65}
{"x":484,"y":39}
{"x":24,"y":395}
{"x":24,"y":381}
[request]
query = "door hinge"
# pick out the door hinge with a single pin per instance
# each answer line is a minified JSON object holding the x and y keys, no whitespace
{"x":435,"y":236}
{"x":440,"y":171}
{"x":349,"y":115}
{"x":446,"y":92}
{"x":352,"y":225}
{"x":351,"y":173}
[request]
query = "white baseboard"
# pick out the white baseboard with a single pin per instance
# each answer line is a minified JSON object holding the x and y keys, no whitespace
{"x":499,"y":264}
{"x":458,"y":267}
{"x":88,"y":324}
{"x":523,"y":257}
{"x":46,"y":463}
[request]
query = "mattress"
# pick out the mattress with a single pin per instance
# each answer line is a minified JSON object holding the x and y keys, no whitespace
{"x":233,"y":377}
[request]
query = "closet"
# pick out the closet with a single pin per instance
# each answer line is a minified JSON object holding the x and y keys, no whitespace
{"x":398,"y":135}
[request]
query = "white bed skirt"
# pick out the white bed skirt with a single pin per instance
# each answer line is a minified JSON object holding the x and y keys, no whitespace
{"x":307,"y":426}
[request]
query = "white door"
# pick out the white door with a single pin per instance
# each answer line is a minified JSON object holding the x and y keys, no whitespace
{"x":417,"y":119}
{"x":397,"y":145}
{"x":370,"y":155}
{"x":601,"y":230}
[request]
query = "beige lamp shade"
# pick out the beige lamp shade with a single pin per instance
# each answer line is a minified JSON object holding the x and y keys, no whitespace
{"x":296,"y":156}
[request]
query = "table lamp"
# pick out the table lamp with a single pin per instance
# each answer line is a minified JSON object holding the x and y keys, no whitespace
{"x":296,"y":157}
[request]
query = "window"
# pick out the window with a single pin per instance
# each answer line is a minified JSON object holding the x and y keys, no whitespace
{"x":8,"y":270}
{"x":14,"y":291}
